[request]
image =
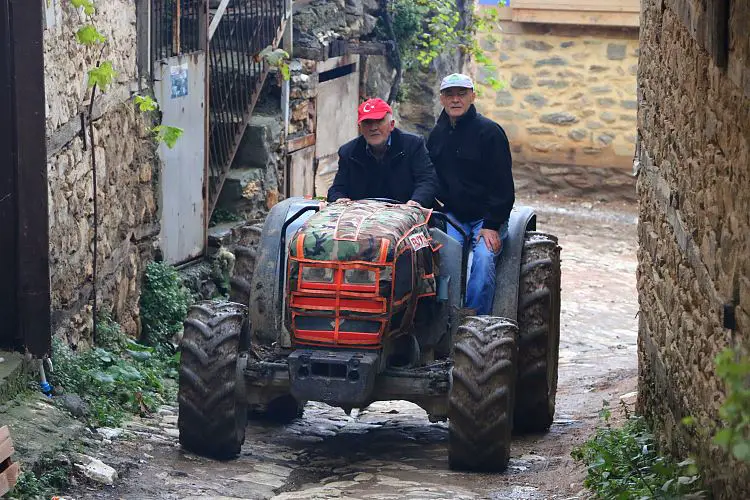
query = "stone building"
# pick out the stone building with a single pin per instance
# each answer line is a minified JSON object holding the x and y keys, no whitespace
{"x":693,"y":166}
{"x":568,"y":102}
{"x":126,"y":224}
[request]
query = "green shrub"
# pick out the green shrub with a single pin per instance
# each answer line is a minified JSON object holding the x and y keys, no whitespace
{"x":623,"y":463}
{"x":124,"y":378}
{"x":733,"y":369}
{"x":48,"y":477}
{"x":164,"y":304}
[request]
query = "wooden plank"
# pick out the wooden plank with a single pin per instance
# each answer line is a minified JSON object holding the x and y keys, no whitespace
{"x":585,"y":18}
{"x":336,"y":105}
{"x":579,"y":5}
{"x":8,"y":478}
{"x":302,"y":172}
{"x":4,"y":433}
{"x":27,"y":19}
{"x":297,"y":143}
{"x":8,"y":197}
{"x":6,"y":449}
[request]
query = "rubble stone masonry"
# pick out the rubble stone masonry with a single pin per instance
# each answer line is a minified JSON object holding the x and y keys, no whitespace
{"x":694,"y":230}
{"x":126,"y":173}
{"x":569,"y":94}
{"x":568,"y":104}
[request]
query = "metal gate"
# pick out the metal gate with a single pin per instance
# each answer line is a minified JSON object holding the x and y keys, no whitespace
{"x":178,"y":51}
{"x":24,"y":286}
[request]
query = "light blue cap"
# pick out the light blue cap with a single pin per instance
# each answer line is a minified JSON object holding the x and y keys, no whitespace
{"x":456,"y":80}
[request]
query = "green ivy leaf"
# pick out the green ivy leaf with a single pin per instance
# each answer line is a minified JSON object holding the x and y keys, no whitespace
{"x":285,"y":71}
{"x":102,"y":76}
{"x":741,"y":450}
{"x":145,"y":103}
{"x":688,"y":421}
{"x":274,"y":57}
{"x":723,"y":438}
{"x":86,"y":5}
{"x":127,"y":373}
{"x":167,"y":134}
{"x":139,"y":355}
{"x":103,"y":377}
{"x":88,"y":35}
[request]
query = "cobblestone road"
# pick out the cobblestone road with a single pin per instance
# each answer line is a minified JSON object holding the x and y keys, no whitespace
{"x":390,"y":450}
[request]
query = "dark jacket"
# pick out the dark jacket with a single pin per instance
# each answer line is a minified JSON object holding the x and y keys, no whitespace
{"x":406,"y":172}
{"x":473,"y":164}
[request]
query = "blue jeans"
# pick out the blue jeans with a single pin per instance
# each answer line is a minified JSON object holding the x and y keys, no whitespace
{"x":480,"y":289}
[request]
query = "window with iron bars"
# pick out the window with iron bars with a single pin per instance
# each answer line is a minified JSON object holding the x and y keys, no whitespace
{"x":176,"y":27}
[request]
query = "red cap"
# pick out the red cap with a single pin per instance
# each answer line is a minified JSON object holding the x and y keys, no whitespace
{"x":373,"y":109}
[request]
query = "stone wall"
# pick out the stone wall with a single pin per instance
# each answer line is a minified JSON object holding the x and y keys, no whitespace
{"x":126,"y":173}
{"x":694,"y":229}
{"x":569,"y":95}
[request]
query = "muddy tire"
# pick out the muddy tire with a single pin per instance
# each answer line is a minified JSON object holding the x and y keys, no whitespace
{"x":480,"y":409}
{"x":213,"y":411}
{"x":538,"y":333}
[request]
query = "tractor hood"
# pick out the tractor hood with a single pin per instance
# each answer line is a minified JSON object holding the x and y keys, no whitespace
{"x":366,"y":231}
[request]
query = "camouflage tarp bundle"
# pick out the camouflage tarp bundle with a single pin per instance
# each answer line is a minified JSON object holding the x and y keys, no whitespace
{"x":358,"y":249}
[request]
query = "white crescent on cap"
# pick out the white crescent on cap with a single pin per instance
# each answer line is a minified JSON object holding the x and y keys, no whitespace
{"x":367,"y":107}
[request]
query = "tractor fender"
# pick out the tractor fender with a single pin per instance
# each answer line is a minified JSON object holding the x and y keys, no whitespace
{"x":266,"y":302}
{"x":508,"y":270}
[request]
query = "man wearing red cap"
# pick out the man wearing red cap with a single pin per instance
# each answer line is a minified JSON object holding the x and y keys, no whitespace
{"x":384,"y":162}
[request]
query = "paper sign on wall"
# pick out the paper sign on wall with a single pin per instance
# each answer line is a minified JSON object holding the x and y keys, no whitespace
{"x":179,"y":80}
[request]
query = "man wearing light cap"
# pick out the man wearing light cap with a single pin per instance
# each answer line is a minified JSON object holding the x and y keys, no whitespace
{"x":472,"y":160}
{"x":383,"y":162}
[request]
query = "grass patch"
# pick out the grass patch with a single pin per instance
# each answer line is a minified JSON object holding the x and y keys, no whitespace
{"x":222,"y":215}
{"x":623,"y":463}
{"x":50,"y":476}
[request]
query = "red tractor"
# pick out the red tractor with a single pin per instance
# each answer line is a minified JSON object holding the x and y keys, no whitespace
{"x":361,"y":302}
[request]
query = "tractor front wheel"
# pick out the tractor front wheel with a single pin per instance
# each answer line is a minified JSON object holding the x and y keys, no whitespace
{"x":482,"y":394}
{"x":213,"y":411}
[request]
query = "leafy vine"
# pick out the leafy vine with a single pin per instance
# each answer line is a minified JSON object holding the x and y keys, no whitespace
{"x":425,"y":29}
{"x":103,"y":74}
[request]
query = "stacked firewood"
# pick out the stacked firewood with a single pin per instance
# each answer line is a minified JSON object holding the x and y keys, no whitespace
{"x":8,"y":470}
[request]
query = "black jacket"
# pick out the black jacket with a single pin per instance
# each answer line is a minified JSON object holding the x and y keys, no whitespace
{"x":406,"y":172}
{"x":474,"y":166}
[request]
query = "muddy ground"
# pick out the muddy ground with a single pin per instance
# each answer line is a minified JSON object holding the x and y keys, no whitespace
{"x":390,"y":450}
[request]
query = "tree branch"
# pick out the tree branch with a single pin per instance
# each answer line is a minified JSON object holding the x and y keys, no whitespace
{"x":393,"y":55}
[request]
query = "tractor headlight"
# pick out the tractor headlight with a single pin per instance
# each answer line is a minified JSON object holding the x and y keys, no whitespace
{"x":317,"y":274}
{"x":359,"y":277}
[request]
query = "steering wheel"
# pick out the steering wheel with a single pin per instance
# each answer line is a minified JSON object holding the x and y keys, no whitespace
{"x":386,"y":200}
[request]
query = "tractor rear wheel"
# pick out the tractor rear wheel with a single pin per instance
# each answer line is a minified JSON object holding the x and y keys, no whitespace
{"x":212,"y":401}
{"x":538,"y":333}
{"x":480,"y":410}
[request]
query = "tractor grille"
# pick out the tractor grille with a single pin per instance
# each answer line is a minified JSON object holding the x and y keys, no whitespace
{"x":338,"y":306}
